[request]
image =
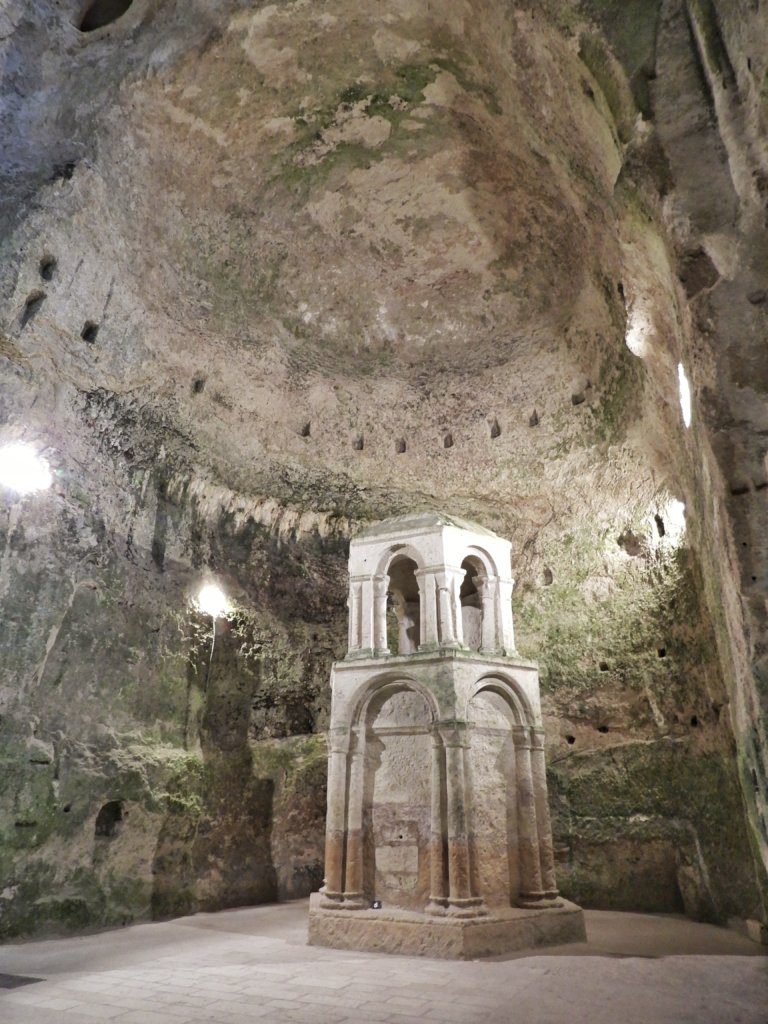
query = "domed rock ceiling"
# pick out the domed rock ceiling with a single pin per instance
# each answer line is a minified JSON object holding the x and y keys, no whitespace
{"x":270,"y":272}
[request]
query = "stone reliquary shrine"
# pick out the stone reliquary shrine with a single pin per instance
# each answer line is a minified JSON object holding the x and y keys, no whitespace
{"x":438,"y":832}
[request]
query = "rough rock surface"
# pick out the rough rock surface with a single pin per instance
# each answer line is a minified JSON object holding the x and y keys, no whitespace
{"x":271,"y":271}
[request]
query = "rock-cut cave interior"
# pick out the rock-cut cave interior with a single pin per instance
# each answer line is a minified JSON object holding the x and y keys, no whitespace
{"x":383,"y":511}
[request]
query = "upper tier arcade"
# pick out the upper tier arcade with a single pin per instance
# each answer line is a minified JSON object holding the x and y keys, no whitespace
{"x":427,"y":582}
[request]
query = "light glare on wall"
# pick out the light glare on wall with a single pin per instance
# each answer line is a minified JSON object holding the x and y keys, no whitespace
{"x":685,"y":394}
{"x":211,"y":600}
{"x":23,"y":470}
{"x":674,"y":517}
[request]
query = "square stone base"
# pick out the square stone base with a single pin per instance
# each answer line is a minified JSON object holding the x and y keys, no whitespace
{"x":411,"y":934}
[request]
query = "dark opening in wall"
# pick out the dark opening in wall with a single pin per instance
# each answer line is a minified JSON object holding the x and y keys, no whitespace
{"x":99,"y":13}
{"x":570,"y":740}
{"x":548,"y":577}
{"x":662,"y":652}
{"x":495,"y":429}
{"x":602,"y":728}
{"x":109,"y":819}
{"x":604,"y":666}
{"x":660,"y":528}
{"x":47,"y":267}
{"x":306,"y":429}
{"x":400,"y":446}
{"x":448,"y":441}
{"x":694,"y":720}
{"x":358,"y":443}
{"x":89,"y":331}
{"x":198,"y":385}
{"x":32,"y":305}
{"x":534,"y":420}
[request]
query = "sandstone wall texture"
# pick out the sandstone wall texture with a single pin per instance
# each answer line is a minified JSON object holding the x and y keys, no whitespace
{"x":272,"y":271}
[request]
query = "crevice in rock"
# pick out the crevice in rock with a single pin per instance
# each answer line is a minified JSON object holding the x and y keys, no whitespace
{"x":32,"y":306}
{"x":102,"y":12}
{"x":89,"y":332}
{"x":47,"y":267}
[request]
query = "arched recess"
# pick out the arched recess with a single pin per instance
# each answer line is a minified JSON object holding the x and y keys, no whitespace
{"x":478,"y":597}
{"x":396,"y":725}
{"x":510,"y":691}
{"x":403,"y":605}
{"x":493,"y":798}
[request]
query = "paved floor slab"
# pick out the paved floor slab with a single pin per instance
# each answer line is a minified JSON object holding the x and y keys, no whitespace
{"x":254,"y":965}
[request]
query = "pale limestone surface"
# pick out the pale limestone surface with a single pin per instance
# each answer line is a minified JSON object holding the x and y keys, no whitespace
{"x":252,"y":965}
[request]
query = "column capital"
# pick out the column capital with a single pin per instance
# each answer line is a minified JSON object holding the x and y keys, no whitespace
{"x":522,"y":736}
{"x":339,"y":739}
{"x":452,"y":734}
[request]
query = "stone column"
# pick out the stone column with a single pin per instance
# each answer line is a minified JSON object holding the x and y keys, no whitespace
{"x":457,"y":580}
{"x":353,"y":880}
{"x":506,"y":622}
{"x":544,"y":826}
{"x":353,"y":603}
{"x":488,"y":595}
{"x":366,"y":617}
{"x":461,"y":902}
{"x":437,"y":898}
{"x":531,"y":893}
{"x":428,"y":598}
{"x":335,"y":824}
{"x":380,"y":586}
{"x":446,"y":628}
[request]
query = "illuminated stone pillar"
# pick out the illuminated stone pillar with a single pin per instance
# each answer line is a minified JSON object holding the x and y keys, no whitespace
{"x":353,"y":880}
{"x":446,"y":627}
{"x":380,"y":646}
{"x":437,"y":897}
{"x":543,"y":824}
{"x":488,"y":596}
{"x":335,"y":827}
{"x":461,"y":902}
{"x":428,"y":599}
{"x":531,"y":892}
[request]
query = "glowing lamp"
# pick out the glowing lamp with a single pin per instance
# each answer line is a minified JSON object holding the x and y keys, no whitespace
{"x":212,"y":601}
{"x":22,"y":469}
{"x":684,"y":388}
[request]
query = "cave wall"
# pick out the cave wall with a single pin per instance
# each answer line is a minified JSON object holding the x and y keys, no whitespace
{"x":343,"y":261}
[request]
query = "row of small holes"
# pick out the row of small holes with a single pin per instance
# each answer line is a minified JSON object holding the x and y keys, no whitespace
{"x":37,"y":297}
{"x":358,"y":443}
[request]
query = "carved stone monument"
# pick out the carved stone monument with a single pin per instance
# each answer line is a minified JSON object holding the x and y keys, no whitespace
{"x":438,"y":835}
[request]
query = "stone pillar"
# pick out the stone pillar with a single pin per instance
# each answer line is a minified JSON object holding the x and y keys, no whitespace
{"x":544,"y":826}
{"x":353,"y":880}
{"x":428,"y":598}
{"x":461,"y":902}
{"x":446,"y":627}
{"x":335,"y":824}
{"x":353,"y":603}
{"x":488,"y":595}
{"x":457,"y":580}
{"x":531,"y":893}
{"x":380,"y":586}
{"x":366,"y":617}
{"x":506,"y":623}
{"x":437,"y":898}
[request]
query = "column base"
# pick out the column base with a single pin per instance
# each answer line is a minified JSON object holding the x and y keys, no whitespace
{"x":354,"y":901}
{"x":472,"y":906}
{"x":330,"y":900}
{"x":543,"y":899}
{"x":437,"y":906}
{"x":392,"y":930}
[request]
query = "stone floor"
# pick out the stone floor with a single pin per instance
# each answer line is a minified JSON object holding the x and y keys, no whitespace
{"x":253,"y":965}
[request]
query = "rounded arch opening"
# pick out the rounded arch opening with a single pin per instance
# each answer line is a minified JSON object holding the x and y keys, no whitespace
{"x":470,"y":597}
{"x":509,"y":691}
{"x":403,"y":606}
